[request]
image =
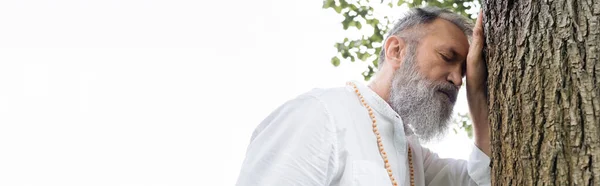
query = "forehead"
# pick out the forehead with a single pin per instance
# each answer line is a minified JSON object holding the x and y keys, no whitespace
{"x":445,"y":35}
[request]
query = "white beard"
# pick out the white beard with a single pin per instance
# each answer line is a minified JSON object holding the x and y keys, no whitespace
{"x":424,"y":110}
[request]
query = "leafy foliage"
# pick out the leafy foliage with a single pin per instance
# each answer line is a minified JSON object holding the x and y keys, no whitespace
{"x":463,"y":121}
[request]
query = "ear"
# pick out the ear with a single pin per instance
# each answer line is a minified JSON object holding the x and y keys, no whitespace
{"x":395,"y":49}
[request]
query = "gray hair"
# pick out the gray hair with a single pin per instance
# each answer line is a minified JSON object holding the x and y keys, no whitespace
{"x":417,"y":17}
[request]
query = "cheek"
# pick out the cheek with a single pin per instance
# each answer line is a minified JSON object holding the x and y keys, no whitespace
{"x":432,"y":68}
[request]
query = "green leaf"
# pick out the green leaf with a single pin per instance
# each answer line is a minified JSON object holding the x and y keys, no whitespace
{"x":358,"y":25}
{"x":364,"y":41}
{"x":343,"y":3}
{"x":335,"y":61}
{"x":365,"y":56}
{"x":373,"y":22}
{"x":340,"y":47}
{"x":400,"y":2}
{"x":376,"y":37}
{"x":418,"y":2}
{"x":377,"y":51}
{"x":348,"y":21}
{"x":351,"y":43}
{"x":346,"y":54}
{"x":352,"y":23}
{"x":469,"y":130}
{"x":338,"y":9}
{"x":363,"y":12}
{"x":368,"y":74}
{"x":328,"y":3}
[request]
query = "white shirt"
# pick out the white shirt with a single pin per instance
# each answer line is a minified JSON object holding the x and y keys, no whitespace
{"x":325,"y":137}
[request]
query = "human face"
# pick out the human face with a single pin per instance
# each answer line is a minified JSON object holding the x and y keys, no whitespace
{"x":425,"y":87}
{"x":441,"y":53}
{"x":424,"y":111}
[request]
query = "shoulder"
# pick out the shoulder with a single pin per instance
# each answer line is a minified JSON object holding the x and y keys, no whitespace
{"x":318,"y":101}
{"x":338,"y":104}
{"x":311,"y":110}
{"x":323,"y":102}
{"x":329,"y":97}
{"x":319,"y":107}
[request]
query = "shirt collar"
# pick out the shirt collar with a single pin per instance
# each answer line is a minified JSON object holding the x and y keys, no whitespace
{"x":377,"y":103}
{"x":382,"y":106}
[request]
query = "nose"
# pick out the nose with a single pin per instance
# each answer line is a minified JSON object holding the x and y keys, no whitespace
{"x":455,"y":78}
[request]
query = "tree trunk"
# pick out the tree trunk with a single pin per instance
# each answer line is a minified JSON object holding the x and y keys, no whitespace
{"x":543,"y":75}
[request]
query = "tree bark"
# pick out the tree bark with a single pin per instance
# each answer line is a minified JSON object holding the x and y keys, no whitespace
{"x":543,"y":75}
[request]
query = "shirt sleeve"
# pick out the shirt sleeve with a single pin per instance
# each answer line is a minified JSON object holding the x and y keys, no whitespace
{"x":475,"y":171}
{"x":294,"y":145}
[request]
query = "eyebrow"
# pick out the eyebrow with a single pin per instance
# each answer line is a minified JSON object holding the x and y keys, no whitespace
{"x":450,"y":50}
{"x":454,"y":57}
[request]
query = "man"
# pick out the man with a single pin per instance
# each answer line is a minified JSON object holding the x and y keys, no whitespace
{"x":370,"y":135}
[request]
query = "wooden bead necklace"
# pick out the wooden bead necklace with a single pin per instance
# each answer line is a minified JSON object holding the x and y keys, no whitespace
{"x":380,"y":143}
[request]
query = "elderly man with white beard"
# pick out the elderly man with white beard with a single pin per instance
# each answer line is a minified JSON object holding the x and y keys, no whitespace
{"x":371,"y":135}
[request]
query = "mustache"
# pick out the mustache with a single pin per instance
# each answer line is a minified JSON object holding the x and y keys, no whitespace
{"x":447,"y":88}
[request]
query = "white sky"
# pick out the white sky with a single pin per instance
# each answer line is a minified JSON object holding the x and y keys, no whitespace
{"x":148,"y":92}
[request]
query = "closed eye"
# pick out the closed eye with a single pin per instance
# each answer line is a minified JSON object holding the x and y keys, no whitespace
{"x":446,"y":58}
